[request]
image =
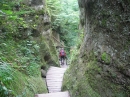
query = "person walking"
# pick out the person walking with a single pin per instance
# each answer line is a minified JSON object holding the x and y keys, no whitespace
{"x":62,"y":55}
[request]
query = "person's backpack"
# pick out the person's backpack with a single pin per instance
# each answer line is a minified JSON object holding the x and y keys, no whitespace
{"x":62,"y":53}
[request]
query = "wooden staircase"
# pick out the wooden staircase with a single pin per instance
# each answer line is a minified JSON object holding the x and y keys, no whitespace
{"x":54,"y":80}
{"x":56,"y":94}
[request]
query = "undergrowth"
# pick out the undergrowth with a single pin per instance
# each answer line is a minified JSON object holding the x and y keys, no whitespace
{"x":21,"y":53}
{"x":20,"y":64}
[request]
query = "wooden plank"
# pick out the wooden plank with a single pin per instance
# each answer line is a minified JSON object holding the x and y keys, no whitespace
{"x":57,"y":69}
{"x":57,"y":94}
{"x":54,"y":83}
{"x":57,"y":77}
{"x":51,"y":88}
{"x":55,"y":86}
{"x":62,"y":72}
{"x":56,"y":90}
{"x":56,"y":74}
{"x":54,"y":80}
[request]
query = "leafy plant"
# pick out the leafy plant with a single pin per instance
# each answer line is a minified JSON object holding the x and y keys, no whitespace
{"x":5,"y":79}
{"x":53,"y":6}
{"x":106,"y":58}
{"x":12,"y":20}
{"x":65,"y":20}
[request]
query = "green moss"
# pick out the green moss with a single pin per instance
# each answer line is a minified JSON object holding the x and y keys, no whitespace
{"x":104,"y":22}
{"x":77,"y":78}
{"x":87,"y":79}
{"x":106,"y":58}
{"x":48,"y":51}
{"x":19,"y":84}
{"x":24,"y":57}
{"x":29,"y":86}
{"x":21,"y":55}
{"x":129,"y":1}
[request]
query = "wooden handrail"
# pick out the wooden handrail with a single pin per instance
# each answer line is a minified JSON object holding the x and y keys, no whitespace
{"x":59,"y":42}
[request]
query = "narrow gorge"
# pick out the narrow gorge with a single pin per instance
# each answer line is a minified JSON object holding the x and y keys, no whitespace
{"x":94,"y":33}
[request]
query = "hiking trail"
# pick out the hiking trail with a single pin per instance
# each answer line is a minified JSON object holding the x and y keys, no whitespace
{"x":54,"y":79}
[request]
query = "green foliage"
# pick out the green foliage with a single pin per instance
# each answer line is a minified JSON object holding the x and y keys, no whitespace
{"x":13,"y":83}
{"x":53,"y":6}
{"x":20,"y":53}
{"x":77,"y":78}
{"x":18,"y":61}
{"x":106,"y":58}
{"x":85,"y":78}
{"x":65,"y":19}
{"x":49,"y":51}
{"x":68,"y":21}
{"x":6,"y":77}
{"x":12,"y":17}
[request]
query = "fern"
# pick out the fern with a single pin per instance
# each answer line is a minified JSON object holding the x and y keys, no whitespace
{"x":5,"y":79}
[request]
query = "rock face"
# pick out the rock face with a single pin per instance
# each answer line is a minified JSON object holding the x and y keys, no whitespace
{"x":103,"y":68}
{"x":37,"y":2}
{"x":41,"y":30}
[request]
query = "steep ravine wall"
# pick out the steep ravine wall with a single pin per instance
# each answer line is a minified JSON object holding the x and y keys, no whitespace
{"x":102,"y":67}
{"x":28,"y":50}
{"x":42,"y":32}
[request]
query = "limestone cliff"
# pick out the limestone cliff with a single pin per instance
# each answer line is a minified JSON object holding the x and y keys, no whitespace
{"x":42,"y":31}
{"x":26,"y":47}
{"x":103,"y":65}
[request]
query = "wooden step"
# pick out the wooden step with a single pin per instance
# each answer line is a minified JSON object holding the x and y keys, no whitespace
{"x":56,"y":68}
{"x":54,"y":79}
{"x":56,"y":94}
